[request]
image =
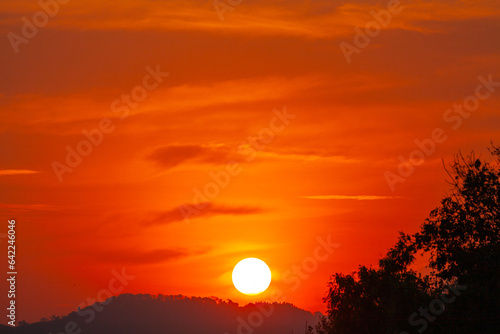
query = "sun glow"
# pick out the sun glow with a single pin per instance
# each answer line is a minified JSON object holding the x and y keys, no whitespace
{"x":251,"y":276}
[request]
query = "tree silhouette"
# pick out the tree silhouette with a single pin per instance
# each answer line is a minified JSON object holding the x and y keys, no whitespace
{"x":373,"y":301}
{"x":462,"y":240}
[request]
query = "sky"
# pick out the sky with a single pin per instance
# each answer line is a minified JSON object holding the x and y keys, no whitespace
{"x":148,"y":146}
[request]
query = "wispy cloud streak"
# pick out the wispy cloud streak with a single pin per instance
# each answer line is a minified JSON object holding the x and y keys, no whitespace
{"x":355,"y":197}
{"x":17,"y":172}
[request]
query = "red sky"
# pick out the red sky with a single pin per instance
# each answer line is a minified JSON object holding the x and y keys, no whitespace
{"x":323,"y":173}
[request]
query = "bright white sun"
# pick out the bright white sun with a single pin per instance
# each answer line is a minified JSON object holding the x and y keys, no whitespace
{"x":251,"y":276}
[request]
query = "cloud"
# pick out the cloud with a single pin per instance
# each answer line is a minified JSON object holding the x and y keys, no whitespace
{"x":307,"y":156}
{"x":171,"y":100}
{"x":147,"y":257}
{"x":259,"y":18}
{"x":17,"y":172}
{"x":220,"y":154}
{"x":356,"y":197}
{"x":209,"y":209}
{"x":174,"y":155}
{"x":318,"y":19}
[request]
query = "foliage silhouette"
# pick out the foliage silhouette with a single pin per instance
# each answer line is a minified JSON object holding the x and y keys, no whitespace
{"x":461,"y":238}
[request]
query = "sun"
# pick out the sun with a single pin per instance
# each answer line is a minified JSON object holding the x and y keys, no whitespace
{"x":251,"y":276}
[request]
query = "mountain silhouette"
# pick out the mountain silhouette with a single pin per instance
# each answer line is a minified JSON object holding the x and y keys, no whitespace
{"x":147,"y":314}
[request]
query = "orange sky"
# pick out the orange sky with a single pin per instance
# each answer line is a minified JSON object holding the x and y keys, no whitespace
{"x":321,"y":172}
